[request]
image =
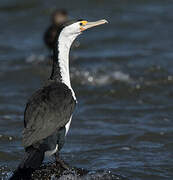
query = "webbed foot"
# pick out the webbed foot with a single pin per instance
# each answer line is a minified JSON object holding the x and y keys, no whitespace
{"x":60,"y":162}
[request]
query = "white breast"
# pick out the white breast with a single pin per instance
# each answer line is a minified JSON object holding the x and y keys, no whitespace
{"x":51,"y":152}
{"x":67,"y":126}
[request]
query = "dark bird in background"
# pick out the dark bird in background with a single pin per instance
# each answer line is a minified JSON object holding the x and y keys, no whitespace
{"x":48,"y":112}
{"x":58,"y":17}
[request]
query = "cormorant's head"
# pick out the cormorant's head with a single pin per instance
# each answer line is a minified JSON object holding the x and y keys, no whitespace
{"x":73,"y":28}
{"x":84,"y":25}
{"x":76,"y":27}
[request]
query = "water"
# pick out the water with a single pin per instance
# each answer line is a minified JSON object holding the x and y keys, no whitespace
{"x":122,"y":75}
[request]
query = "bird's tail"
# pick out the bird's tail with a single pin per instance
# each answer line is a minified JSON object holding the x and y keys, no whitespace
{"x":33,"y":158}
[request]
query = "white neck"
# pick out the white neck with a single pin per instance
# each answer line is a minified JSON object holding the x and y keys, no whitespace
{"x":64,"y":44}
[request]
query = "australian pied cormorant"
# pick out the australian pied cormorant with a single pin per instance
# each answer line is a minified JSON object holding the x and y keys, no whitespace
{"x":48,"y":112}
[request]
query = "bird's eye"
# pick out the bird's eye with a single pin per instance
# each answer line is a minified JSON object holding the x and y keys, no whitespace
{"x":81,"y":24}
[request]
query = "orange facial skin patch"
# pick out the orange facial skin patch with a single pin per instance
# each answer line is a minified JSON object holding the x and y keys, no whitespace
{"x":82,"y":29}
{"x":83,"y":24}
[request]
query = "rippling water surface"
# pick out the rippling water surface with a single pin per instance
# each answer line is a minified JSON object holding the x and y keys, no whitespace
{"x":122,"y":74}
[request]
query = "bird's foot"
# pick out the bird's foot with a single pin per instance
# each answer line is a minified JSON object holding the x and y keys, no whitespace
{"x":64,"y":165}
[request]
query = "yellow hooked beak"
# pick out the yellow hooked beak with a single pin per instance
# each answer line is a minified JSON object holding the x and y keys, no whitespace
{"x":86,"y":25}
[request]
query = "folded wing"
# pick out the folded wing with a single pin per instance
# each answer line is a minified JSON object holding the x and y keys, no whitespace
{"x":48,"y":110}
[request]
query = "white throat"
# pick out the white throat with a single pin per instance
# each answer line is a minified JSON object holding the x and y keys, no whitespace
{"x":64,"y":44}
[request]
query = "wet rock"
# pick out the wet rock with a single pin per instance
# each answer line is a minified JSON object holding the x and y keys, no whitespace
{"x":52,"y":171}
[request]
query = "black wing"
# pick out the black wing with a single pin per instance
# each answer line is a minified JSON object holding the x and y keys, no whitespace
{"x":49,"y":109}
